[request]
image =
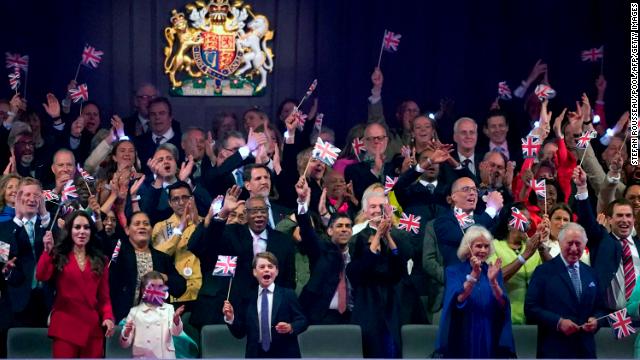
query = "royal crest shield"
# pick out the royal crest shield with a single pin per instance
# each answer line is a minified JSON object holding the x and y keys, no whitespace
{"x":220,"y":51}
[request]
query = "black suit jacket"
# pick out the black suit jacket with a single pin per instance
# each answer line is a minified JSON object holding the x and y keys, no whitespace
{"x":285,"y":308}
{"x":605,"y":251}
{"x":123,"y":273}
{"x":20,"y":278}
{"x":410,"y":192}
{"x":551,"y":296}
{"x":450,"y":174}
{"x":514,"y":147}
{"x":236,"y":240}
{"x":326,"y":264}
{"x":218,"y":179}
{"x":362,"y":177}
{"x":146,"y":147}
{"x":131,"y":123}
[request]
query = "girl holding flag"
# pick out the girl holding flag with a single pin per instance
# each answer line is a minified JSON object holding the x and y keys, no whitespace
{"x":150,"y":318}
{"x":81,"y":315}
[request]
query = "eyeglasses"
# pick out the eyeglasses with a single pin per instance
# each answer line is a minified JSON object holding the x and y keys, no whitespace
{"x":258,"y":211}
{"x":467,"y":189}
{"x":375,"y":138}
{"x":179,"y":199}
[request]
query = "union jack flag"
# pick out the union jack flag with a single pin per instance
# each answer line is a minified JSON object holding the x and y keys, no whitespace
{"x":464,"y":219}
{"x":69,"y":192}
{"x":116,"y":251}
{"x":91,"y":57}
{"x":389,"y":183}
{"x":531,"y":146}
{"x":4,"y":251}
{"x":14,"y":79}
{"x":390,"y":41}
{"x":540,"y":187}
{"x":593,"y":54}
{"x":409,"y":223}
{"x":17,"y":61}
{"x":318,"y":123}
{"x":155,"y":294}
{"x":583,"y":141}
{"x":49,"y":195}
{"x":300,"y":118}
{"x":504,"y":91}
{"x":325,"y":152}
{"x":358,"y":146}
{"x":545,"y":92}
{"x":621,"y":323}
{"x":312,"y":87}
{"x":81,"y":93}
{"x":85,"y":174}
{"x":518,"y":220}
{"x":225,"y":266}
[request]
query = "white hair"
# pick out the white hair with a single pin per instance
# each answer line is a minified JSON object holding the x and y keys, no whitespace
{"x":372,"y":193}
{"x":472,"y":234}
{"x":456,"y":125}
{"x":571,"y":226}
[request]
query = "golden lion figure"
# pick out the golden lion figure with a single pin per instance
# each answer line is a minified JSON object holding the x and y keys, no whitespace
{"x":186,"y":38}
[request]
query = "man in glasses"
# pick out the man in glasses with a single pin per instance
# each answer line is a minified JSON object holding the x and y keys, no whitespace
{"x":449,"y":228}
{"x":243,"y":241}
{"x":172,"y":235}
{"x":376,"y":166}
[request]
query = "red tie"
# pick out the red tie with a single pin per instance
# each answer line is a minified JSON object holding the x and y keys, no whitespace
{"x":342,"y":293}
{"x":629,"y":270}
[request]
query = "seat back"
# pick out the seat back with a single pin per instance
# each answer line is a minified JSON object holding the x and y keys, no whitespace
{"x":418,"y":341}
{"x":526,"y":339}
{"x":608,"y":347}
{"x":331,"y":341}
{"x":113,"y":349}
{"x":23,"y":343}
{"x":218,"y":342}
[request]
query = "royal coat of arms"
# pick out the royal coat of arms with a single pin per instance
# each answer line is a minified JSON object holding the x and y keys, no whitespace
{"x":221,"y":50}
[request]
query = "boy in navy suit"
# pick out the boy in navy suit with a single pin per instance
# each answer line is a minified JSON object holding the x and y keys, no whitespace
{"x":272,"y":319}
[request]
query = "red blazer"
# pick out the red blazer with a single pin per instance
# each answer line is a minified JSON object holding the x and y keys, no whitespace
{"x":82,"y":300}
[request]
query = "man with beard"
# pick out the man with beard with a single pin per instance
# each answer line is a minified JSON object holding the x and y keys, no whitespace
{"x":243,"y":241}
{"x":327,"y":297}
{"x":449,"y":229}
{"x":614,"y":255}
{"x":496,"y":174}
{"x":22,"y":146}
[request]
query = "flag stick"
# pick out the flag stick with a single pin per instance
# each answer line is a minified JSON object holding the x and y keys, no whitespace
{"x":229,"y":290}
{"x":545,"y":198}
{"x":75,"y":78}
{"x":584,"y":153}
{"x":381,"y":49}
{"x":87,"y":185}
{"x":602,"y":62}
{"x":304,"y":174}
{"x":26,"y":78}
{"x":81,"y":103}
{"x":626,"y":134}
{"x":53,"y":221}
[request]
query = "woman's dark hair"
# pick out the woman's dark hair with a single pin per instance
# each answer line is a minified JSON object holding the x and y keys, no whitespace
{"x":64,"y":246}
{"x":110,"y":166}
{"x":282,"y":104}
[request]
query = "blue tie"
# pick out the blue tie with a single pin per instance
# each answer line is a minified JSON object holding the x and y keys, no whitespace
{"x":265,"y":333}
{"x":575,"y":279}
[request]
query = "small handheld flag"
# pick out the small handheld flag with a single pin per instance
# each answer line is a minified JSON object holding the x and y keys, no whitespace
{"x":583,"y":141}
{"x":518,"y":221}
{"x":531,"y":146}
{"x":545,"y":92}
{"x":91,"y":57}
{"x":310,"y":91}
{"x":390,"y":41}
{"x":409,"y":223}
{"x":301,"y":119}
{"x":325,"y":152}
{"x":116,"y":251}
{"x":389,"y":183}
{"x":16,"y":61}
{"x":593,"y":55}
{"x":225,"y":266}
{"x":69,"y":192}
{"x":81,"y":93}
{"x":14,"y":79}
{"x":464,"y":219}
{"x":85,"y":174}
{"x":358,"y":146}
{"x":49,"y":195}
{"x":621,"y":323}
{"x":4,"y":251}
{"x":504,"y":92}
{"x":540,"y":187}
{"x":155,"y":294}
{"x":318,"y":122}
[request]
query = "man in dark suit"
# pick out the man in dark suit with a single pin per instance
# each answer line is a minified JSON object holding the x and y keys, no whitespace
{"x":614,"y":255}
{"x":160,"y":120}
{"x":257,"y":182}
{"x":496,"y":175}
{"x":326,"y":298}
{"x":564,"y":300}
{"x":194,"y":143}
{"x":214,"y":237}
{"x":138,"y":123}
{"x":448,"y":229}
{"x":496,"y":131}
{"x":28,"y":298}
{"x":465,"y":135}
{"x":136,"y":258}
{"x":271,"y":328}
{"x":368,"y":172}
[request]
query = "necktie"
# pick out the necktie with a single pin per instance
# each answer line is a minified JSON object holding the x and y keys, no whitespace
{"x":431,"y":188}
{"x":499,"y":149}
{"x":575,"y":279}
{"x":629,"y":270}
{"x":272,"y":222}
{"x":342,"y":290}
{"x":259,"y":244}
{"x":265,"y":333}
{"x":159,"y":139}
{"x":466,"y":163}
{"x":28,"y":226}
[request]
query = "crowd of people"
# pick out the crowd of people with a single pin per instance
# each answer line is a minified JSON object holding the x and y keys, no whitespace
{"x":129,"y":222}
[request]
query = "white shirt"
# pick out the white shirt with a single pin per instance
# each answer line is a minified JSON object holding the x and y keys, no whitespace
{"x":425,"y":183}
{"x":504,"y":146}
{"x":269,"y":290}
{"x":259,"y":241}
{"x":168,"y":135}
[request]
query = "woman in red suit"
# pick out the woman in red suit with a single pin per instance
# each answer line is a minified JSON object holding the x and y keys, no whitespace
{"x":82,"y":305}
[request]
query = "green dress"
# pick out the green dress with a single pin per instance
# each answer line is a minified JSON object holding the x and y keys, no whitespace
{"x":517,"y":285}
